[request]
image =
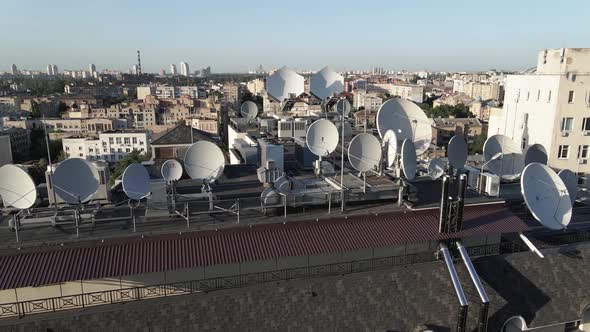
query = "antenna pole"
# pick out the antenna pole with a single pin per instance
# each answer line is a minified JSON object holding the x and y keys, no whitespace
{"x":342,"y":166}
{"x":50,"y":164}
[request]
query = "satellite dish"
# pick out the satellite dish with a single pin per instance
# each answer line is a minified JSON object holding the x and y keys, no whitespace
{"x":342,"y":107}
{"x":249,"y":110}
{"x":503,"y":156}
{"x":204,"y":161}
{"x":407,"y":120}
{"x":75,"y":180}
{"x":390,"y":143}
{"x":322,"y":137}
{"x":270,"y":197}
{"x":136,"y":182}
{"x":364,"y":152}
{"x":347,"y":129}
{"x":546,"y":196}
{"x":570,"y":179}
{"x":536,"y":153}
{"x":409,"y":159}
{"x":325,"y":83}
{"x":436,"y":168}
{"x":457,"y":152}
{"x":282,"y":185}
{"x":171,"y":170}
{"x":17,"y":188}
{"x":283,"y":83}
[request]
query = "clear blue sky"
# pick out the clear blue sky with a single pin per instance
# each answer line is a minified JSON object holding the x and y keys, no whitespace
{"x":235,"y":35}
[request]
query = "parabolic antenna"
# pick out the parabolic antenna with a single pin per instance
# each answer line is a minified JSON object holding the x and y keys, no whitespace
{"x":409,"y":159}
{"x":436,"y":168}
{"x":282,"y":185}
{"x":171,"y":170}
{"x":407,"y":120}
{"x":457,"y":152}
{"x":503,"y":156}
{"x":325,"y":83}
{"x":270,"y":197}
{"x":17,"y":188}
{"x":284,"y":82}
{"x":570,"y":180}
{"x":342,"y":107}
{"x":249,"y":110}
{"x":546,"y":196}
{"x":347,"y":129}
{"x":536,"y":153}
{"x":75,"y":180}
{"x":390,"y":144}
{"x":136,"y":181}
{"x":364,"y":152}
{"x":204,"y":161}
{"x":322,"y":137}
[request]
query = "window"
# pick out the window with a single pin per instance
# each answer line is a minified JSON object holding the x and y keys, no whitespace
{"x":538,"y":95}
{"x":134,"y":140}
{"x":127,"y":150}
{"x":104,"y":150}
{"x":118,"y":140}
{"x":583,"y":151}
{"x":549,"y":97}
{"x":523,"y":143}
{"x":528,"y":95}
{"x":67,"y":148}
{"x":586,"y":124}
{"x":563,"y":152}
{"x":112,"y":150}
{"x":81,"y":155}
{"x":119,"y":150}
{"x":570,"y":97}
{"x":90,"y":150}
{"x":79,"y":148}
{"x":566,"y":124}
{"x":111,"y":140}
{"x":127,"y":140}
{"x":140,"y":142}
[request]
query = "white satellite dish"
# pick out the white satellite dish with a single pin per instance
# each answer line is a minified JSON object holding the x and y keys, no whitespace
{"x":282,"y":185}
{"x":322,"y":137}
{"x":436,"y":168}
{"x":457,"y":152}
{"x":249,"y":110}
{"x":75,"y":180}
{"x":171,"y":170}
{"x":546,"y":196}
{"x":283,"y":83}
{"x":536,"y":153}
{"x":570,"y":179}
{"x":364,"y":152}
{"x":409,"y":159}
{"x":407,"y":120}
{"x":204,"y":161}
{"x":17,"y":188}
{"x":503,"y":156}
{"x":136,"y":182}
{"x":325,"y":83}
{"x":342,"y":107}
{"x":390,"y":144}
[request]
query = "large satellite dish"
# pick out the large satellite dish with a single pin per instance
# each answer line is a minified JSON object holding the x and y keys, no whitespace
{"x":322,"y":137}
{"x":342,"y":107}
{"x":325,"y":83}
{"x":546,"y":196}
{"x":136,"y":181}
{"x":409,"y":159}
{"x":570,"y":179}
{"x":503,"y":156}
{"x":364,"y":152}
{"x":171,"y":170}
{"x":17,"y":188}
{"x":204,"y":161}
{"x":457,"y":152}
{"x":75,"y":180}
{"x":249,"y":110}
{"x":283,"y":83}
{"x":390,"y":144}
{"x":436,"y":168}
{"x":407,"y":120}
{"x":536,"y":153}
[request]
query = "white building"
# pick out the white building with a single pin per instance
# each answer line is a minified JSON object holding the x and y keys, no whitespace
{"x":414,"y":93}
{"x":369,"y":100}
{"x":550,"y":107}
{"x":173,"y":70}
{"x":110,"y":146}
{"x":14,"y":69}
{"x":184,"y":70}
{"x":92,"y":68}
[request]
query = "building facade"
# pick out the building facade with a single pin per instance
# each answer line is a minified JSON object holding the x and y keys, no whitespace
{"x":110,"y":146}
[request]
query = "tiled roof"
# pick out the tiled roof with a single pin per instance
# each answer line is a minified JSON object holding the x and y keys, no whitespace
{"x":181,"y":134}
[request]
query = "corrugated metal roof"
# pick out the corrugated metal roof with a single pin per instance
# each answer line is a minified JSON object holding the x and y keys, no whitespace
{"x":92,"y":260}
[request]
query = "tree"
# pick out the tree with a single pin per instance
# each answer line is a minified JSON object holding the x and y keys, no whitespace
{"x":37,"y":170}
{"x":38,"y":148}
{"x":477,"y":145}
{"x":447,"y":111}
{"x":133,"y":157}
{"x":35,"y":112}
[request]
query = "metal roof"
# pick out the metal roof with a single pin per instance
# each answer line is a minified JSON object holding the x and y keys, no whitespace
{"x":93,"y":260}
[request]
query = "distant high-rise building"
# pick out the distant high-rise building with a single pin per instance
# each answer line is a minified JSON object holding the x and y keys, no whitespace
{"x":54,"y":70}
{"x":92,"y":68}
{"x":184,"y":71}
{"x":14,"y":69}
{"x":206,"y":71}
{"x":49,"y":70}
{"x":135,"y":70}
{"x":173,"y":69}
{"x":162,"y":72}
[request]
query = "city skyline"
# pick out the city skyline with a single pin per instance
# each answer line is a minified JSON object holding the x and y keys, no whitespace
{"x":305,"y":35}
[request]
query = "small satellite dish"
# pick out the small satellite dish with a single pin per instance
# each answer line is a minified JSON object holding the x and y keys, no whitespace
{"x":407,"y":120}
{"x":282,"y":185}
{"x":342,"y":107}
{"x":249,"y":110}
{"x":17,"y":188}
{"x":457,"y":152}
{"x":503,"y":156}
{"x":75,"y":180}
{"x":322,"y":137}
{"x":136,"y":182}
{"x":409,"y":159}
{"x":546,"y":196}
{"x":570,"y":179}
{"x":436,"y":168}
{"x":364,"y":152}
{"x":204,"y":161}
{"x":171,"y":170}
{"x":390,"y":144}
{"x":536,"y":153}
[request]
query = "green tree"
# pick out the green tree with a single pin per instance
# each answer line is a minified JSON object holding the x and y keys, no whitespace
{"x":477,"y":145}
{"x":35,"y":112}
{"x":37,"y":171}
{"x":133,"y":157}
{"x":38,"y":148}
{"x":446,"y":111}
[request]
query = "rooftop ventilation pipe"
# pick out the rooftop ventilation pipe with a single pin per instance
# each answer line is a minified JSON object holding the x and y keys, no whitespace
{"x":462,"y":316}
{"x":483,"y":310}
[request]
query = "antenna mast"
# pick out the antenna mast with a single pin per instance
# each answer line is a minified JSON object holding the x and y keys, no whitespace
{"x":138,"y":63}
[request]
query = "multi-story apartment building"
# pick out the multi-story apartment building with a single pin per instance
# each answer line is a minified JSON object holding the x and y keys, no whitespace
{"x":110,"y":146}
{"x":205,"y":124}
{"x":231,"y":93}
{"x":5,"y":151}
{"x":414,"y":93}
{"x":79,"y":125}
{"x":483,"y":91}
{"x":167,"y":92}
{"x":369,"y":100}
{"x":20,"y":141}
{"x":256,"y":86}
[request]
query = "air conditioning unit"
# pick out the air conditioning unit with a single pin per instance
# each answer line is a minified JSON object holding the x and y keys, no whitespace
{"x":586,"y":133}
{"x":472,"y":177}
{"x":565,"y":133}
{"x":583,"y":161}
{"x":490,"y":184}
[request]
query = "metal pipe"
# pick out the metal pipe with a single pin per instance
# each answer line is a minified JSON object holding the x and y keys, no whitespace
{"x":462,"y":316}
{"x":461,"y":200}
{"x":444,"y":205}
{"x":483,"y":311}
{"x":531,"y":246}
